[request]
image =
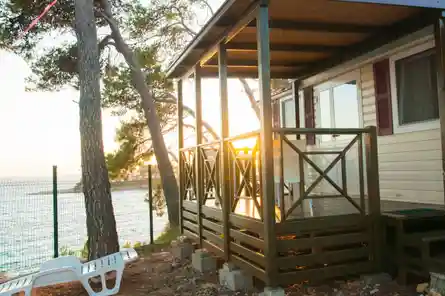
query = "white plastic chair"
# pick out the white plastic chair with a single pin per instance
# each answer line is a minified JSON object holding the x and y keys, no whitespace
{"x":44,"y":278}
{"x":22,"y":284}
{"x":99,"y":268}
{"x":59,"y":270}
{"x":129,"y":255}
{"x":68,"y":269}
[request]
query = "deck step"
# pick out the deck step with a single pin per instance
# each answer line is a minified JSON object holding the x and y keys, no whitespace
{"x":418,"y":238}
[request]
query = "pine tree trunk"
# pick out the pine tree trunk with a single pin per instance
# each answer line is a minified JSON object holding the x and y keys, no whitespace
{"x":101,"y":224}
{"x":169,"y":184}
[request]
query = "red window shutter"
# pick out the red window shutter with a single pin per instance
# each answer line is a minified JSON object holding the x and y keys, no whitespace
{"x":382,"y":86}
{"x":309,"y":113}
{"x":276,"y":114}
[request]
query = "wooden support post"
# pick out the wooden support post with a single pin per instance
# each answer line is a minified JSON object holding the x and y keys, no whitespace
{"x":266,"y":148}
{"x":361,"y":174}
{"x":372,"y":166}
{"x":296,"y":96}
{"x":180,"y":110}
{"x":439,"y":32}
{"x":225,"y":173}
{"x":198,"y":159}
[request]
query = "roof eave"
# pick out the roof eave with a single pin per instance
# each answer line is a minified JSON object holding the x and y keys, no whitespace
{"x":412,"y":3}
{"x":202,"y":33}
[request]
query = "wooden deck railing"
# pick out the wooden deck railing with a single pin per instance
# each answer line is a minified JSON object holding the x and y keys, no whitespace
{"x":306,"y":187}
{"x":245,"y":167}
{"x":238,"y":234}
{"x":244,"y":162}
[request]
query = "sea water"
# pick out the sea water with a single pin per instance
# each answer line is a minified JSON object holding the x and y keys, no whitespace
{"x":27,"y":222}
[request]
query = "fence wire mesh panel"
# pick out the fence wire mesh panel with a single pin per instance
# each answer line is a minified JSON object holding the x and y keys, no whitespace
{"x":72,"y":231}
{"x":26,"y":224}
{"x":32,"y":231}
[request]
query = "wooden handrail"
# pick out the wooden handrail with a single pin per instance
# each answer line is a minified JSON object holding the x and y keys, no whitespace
{"x":322,"y":131}
{"x":243,"y":136}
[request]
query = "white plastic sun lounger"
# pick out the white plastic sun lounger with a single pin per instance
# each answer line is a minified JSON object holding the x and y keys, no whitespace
{"x":99,"y":268}
{"x":26,"y":283}
{"x":22,"y":284}
{"x":129,"y":255}
{"x":69,"y":269}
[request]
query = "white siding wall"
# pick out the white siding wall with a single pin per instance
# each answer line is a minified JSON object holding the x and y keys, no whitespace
{"x":409,"y":163}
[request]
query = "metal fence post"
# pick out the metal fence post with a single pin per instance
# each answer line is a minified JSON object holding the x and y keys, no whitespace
{"x":150,"y":203}
{"x":55,"y":214}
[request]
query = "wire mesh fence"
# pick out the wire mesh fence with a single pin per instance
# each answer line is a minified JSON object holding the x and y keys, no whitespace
{"x":36,"y":224}
{"x":26,"y":224}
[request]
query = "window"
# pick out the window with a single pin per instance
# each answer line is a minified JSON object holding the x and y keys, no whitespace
{"x":414,"y":89}
{"x":338,"y":105}
{"x":288,"y":113}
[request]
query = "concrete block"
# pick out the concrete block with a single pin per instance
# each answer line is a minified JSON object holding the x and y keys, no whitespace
{"x":184,"y":239}
{"x":229,"y":266}
{"x":234,"y":279}
{"x":181,"y":251}
{"x":376,"y":278}
{"x":273,"y":292}
{"x":222,"y":274}
{"x":202,"y":261}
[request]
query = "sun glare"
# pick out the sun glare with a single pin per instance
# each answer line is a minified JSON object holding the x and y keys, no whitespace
{"x":248,"y":143}
{"x":151,"y":160}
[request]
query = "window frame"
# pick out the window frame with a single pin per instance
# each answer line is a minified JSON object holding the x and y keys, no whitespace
{"x":410,"y":127}
{"x":330,"y":85}
{"x":300,"y":102}
{"x":283,"y":103}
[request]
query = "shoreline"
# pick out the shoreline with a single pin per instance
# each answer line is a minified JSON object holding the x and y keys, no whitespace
{"x":115,"y":186}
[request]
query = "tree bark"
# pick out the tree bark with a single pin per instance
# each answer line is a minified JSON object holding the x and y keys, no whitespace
{"x":169,"y":184}
{"x":101,"y":223}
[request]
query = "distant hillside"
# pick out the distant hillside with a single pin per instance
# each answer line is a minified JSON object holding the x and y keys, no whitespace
{"x":115,"y":186}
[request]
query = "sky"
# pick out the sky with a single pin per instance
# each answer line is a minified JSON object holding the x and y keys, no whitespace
{"x":41,"y":129}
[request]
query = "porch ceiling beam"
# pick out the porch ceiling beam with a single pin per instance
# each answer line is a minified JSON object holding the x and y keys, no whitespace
{"x":253,"y":74}
{"x":290,"y":25}
{"x":386,"y":35}
{"x":238,"y":46}
{"x":416,"y":3}
{"x":254,"y":63}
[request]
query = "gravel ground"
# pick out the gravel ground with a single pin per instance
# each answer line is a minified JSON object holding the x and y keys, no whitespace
{"x":158,"y":274}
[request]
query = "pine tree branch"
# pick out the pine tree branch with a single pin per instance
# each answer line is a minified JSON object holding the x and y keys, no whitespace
{"x":182,"y":21}
{"x":208,"y":7}
{"x":107,"y":40}
{"x":250,"y":96}
{"x":192,"y":113}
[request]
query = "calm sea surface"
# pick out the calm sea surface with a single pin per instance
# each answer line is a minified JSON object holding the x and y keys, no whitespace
{"x":26,"y":221}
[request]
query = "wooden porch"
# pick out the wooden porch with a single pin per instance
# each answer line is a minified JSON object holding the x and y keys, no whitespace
{"x":285,"y":208}
{"x":310,"y":242}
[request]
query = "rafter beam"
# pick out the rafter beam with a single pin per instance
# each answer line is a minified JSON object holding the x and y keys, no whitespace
{"x":211,"y":72}
{"x":289,"y":25}
{"x":384,"y":36}
{"x":238,"y":46}
{"x":254,"y":63}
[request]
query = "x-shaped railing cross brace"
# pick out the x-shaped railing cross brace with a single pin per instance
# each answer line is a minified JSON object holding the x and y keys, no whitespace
{"x":210,"y":182}
{"x":323,"y":175}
